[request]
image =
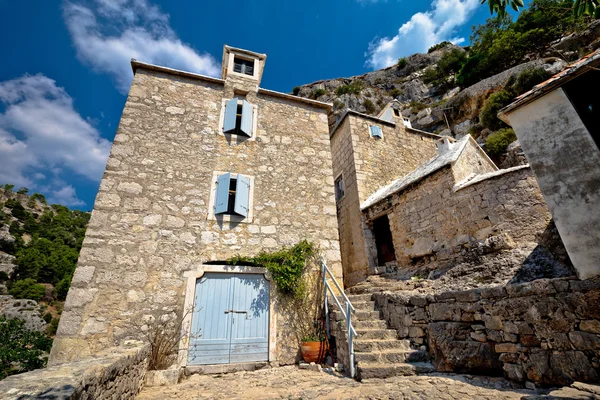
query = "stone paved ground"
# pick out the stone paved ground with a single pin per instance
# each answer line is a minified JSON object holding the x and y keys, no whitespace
{"x":292,"y":383}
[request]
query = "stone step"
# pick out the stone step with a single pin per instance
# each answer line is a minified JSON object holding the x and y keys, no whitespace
{"x":380,"y":334}
{"x":374,"y":324}
{"x":369,"y":345}
{"x":380,"y":371}
{"x":391,"y":356}
{"x":364,"y":305}
{"x":359,"y":297}
{"x":362,"y":315}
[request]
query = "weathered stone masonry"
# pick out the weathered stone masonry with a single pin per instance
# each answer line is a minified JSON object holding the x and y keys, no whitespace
{"x":546,"y":331}
{"x":151,"y":221}
{"x":437,"y":221}
{"x":365,"y":164}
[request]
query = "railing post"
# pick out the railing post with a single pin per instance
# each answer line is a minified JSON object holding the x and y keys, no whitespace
{"x":350,"y":338}
{"x":323,"y":266}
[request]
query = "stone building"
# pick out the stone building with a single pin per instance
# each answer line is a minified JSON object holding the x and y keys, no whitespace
{"x":453,"y":202}
{"x":557,"y":124}
{"x":370,"y":152}
{"x":202,"y":169}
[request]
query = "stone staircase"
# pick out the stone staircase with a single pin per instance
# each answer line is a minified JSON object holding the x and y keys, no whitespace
{"x":378,"y":351}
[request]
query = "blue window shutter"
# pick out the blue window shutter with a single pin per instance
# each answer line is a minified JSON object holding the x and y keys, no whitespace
{"x":246,"y":127}
{"x":242,"y":195}
{"x":230,"y":114}
{"x":375,"y":131}
{"x":222,"y":195}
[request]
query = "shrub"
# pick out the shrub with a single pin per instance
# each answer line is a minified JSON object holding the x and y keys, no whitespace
{"x":337,"y":104}
{"x":27,"y":289}
{"x":475,"y":130}
{"x":430,"y":75}
{"x":47,"y":317}
{"x":417,"y":106}
{"x":402,"y":63}
{"x":438,"y":46}
{"x":23,"y":190}
{"x":286,"y":266}
{"x":317,"y":93}
{"x":9,"y":188}
{"x":353,"y":88}
{"x":529,"y":78}
{"x":40,"y":197}
{"x":21,"y":350}
{"x":62,"y":287}
{"x":498,"y":141}
{"x":369,"y":106}
{"x":296,"y":90}
{"x":488,"y":117}
{"x":395,"y":92}
{"x":52,"y":327}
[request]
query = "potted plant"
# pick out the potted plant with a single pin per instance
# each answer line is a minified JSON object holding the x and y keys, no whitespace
{"x":314,"y":348}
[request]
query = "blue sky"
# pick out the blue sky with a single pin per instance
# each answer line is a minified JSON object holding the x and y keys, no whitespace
{"x":65,"y":69}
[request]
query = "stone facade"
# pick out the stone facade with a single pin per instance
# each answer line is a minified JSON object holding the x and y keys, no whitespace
{"x":366,"y":163}
{"x":545,"y":332}
{"x":152,"y":224}
{"x":115,"y":373}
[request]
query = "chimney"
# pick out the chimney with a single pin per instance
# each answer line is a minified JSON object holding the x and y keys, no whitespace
{"x":444,"y":144}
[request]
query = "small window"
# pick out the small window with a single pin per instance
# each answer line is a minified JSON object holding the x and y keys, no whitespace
{"x":339,"y":188}
{"x":232,"y":195}
{"x":396,"y":112}
{"x":243,"y":66}
{"x":238,"y":118}
{"x":375,"y":131}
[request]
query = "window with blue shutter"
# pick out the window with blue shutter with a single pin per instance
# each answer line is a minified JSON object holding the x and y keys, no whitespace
{"x":232,"y":195}
{"x":242,"y":195}
{"x":229,"y":122}
{"x":375,"y":131}
{"x":222,"y":195}
{"x":238,"y":118}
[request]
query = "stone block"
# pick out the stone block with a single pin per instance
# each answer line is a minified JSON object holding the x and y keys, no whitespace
{"x":592,"y":326}
{"x":493,"y":322}
{"x":479,"y":336}
{"x":584,"y":340}
{"x":506,"y":348}
{"x":514,"y":372}
{"x":529,"y":340}
{"x":493,"y":293}
{"x":468,"y":295}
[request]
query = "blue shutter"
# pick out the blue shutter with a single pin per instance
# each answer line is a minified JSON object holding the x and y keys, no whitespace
{"x":230,"y":114}
{"x":376,"y":131}
{"x":246,"y":118}
{"x":242,"y":195}
{"x":222,"y":195}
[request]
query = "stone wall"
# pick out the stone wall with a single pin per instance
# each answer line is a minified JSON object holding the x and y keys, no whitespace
{"x":436,"y":221}
{"x":116,"y":373}
{"x":546,"y":331}
{"x":151,"y":221}
{"x":366,"y":164}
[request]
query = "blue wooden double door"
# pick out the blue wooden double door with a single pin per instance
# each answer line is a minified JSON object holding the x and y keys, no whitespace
{"x":230,"y":322}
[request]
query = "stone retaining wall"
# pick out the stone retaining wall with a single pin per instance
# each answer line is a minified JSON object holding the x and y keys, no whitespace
{"x":115,"y":373}
{"x":546,"y":331}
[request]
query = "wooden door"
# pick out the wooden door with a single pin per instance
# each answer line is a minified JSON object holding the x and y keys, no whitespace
{"x":230,"y":322}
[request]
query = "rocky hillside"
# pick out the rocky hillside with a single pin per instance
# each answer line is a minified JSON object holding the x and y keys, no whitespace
{"x":39,"y":247}
{"x":433,"y":89}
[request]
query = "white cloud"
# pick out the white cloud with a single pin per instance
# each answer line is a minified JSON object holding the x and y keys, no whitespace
{"x":107,"y":34}
{"x":423,"y":31}
{"x":65,"y":195}
{"x":42,"y":135}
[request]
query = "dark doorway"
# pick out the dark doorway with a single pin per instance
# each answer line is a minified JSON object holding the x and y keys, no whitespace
{"x":581,"y":91}
{"x":383,"y":240}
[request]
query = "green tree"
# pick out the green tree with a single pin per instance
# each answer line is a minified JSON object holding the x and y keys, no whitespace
{"x":21,"y":349}
{"x":9,"y":188}
{"x":23,"y":190}
{"x":579,"y":7}
{"x":498,"y":141}
{"x":488,"y":117}
{"x":27,"y":289}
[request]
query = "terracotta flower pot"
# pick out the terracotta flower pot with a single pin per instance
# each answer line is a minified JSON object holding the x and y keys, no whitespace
{"x":314,"y":351}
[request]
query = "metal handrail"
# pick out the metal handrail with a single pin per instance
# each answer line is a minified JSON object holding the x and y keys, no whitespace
{"x":351,"y":332}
